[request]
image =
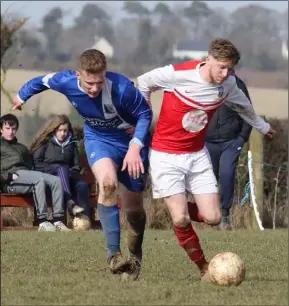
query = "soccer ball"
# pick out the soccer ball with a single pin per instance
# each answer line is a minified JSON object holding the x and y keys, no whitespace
{"x":226,"y":269}
{"x":81,"y":223}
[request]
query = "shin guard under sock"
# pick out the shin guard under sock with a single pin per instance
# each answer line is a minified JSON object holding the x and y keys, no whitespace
{"x":109,"y":219}
{"x":136,"y":222}
{"x":189,"y":241}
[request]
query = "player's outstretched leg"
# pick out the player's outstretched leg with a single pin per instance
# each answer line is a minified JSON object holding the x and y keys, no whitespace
{"x":135,"y":220}
{"x":206,"y":209}
{"x":194,"y":212}
{"x":105,"y":172}
{"x":187,"y":237}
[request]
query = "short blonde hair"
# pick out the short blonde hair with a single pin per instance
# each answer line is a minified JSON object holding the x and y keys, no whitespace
{"x":223,"y":49}
{"x":92,"y":61}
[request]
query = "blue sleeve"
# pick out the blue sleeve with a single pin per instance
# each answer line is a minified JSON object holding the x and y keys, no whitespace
{"x":135,"y":104}
{"x":40,"y":84}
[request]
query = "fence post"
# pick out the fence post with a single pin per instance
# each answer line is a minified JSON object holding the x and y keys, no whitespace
{"x":256,"y":146}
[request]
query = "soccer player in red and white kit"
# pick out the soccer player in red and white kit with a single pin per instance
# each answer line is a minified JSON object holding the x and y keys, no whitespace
{"x":179,"y":161}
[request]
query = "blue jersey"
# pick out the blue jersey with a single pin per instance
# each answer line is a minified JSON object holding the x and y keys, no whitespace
{"x":119,"y":105}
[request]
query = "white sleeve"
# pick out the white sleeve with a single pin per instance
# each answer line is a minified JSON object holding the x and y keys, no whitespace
{"x":238,"y":102}
{"x":162,"y":78}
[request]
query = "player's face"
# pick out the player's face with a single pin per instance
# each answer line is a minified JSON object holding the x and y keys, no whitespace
{"x":219,"y":70}
{"x":91,"y":83}
{"x":8,"y":132}
{"x":62,"y":132}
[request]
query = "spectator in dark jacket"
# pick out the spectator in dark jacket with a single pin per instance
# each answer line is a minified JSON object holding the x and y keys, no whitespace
{"x":18,"y":176}
{"x":55,"y":152}
{"x":226,"y":135}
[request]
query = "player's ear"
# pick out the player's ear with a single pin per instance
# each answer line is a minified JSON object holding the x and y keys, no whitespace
{"x":77,"y":73}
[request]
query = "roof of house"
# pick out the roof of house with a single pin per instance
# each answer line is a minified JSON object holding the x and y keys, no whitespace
{"x":193,"y":45}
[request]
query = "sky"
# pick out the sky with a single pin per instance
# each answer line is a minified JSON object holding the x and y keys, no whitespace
{"x":35,"y":10}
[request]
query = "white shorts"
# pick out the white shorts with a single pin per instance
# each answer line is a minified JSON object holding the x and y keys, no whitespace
{"x":177,"y":173}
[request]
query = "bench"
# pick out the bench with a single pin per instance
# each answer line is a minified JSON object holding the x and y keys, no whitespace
{"x":16,"y":200}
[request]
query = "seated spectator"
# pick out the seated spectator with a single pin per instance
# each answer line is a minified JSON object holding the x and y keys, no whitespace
{"x":18,"y":176}
{"x":55,"y":151}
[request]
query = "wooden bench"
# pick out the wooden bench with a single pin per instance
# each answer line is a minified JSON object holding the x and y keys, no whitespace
{"x":16,"y":200}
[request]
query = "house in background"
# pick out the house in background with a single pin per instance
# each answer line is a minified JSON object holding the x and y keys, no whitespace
{"x":103,"y":45}
{"x":285,"y":49}
{"x":191,"y":49}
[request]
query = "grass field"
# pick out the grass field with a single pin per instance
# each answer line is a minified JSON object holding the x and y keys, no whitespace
{"x":70,"y":269}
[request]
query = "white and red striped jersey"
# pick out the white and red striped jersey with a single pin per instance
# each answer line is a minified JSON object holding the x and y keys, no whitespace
{"x":189,"y":103}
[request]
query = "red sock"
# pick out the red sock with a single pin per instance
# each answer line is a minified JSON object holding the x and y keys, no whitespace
{"x":189,"y":241}
{"x":194,"y":212}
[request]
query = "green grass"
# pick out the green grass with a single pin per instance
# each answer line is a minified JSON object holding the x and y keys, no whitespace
{"x":70,"y":269}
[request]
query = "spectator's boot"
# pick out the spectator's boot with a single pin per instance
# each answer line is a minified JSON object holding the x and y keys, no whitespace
{"x":60,"y":226}
{"x":46,"y":226}
{"x":225,"y":223}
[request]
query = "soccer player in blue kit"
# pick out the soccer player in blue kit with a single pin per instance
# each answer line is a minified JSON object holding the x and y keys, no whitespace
{"x":111,"y":106}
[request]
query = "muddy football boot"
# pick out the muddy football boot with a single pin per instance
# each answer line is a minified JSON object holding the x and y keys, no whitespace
{"x":118,"y":264}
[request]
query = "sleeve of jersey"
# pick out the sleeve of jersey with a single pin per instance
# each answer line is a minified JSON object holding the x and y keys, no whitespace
{"x":40,"y":84}
{"x":136,"y":105}
{"x":238,"y":101}
{"x":162,"y":78}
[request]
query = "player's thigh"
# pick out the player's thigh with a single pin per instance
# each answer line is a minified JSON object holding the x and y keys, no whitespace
{"x":209,"y":207}
{"x":202,"y":183}
{"x":204,"y":187}
{"x":131,"y":201}
{"x":137,"y":185}
{"x":103,"y":158}
{"x":167,"y":179}
{"x":178,"y":209}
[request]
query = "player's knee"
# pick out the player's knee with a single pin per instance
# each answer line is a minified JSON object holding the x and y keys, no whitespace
{"x":108,"y":188}
{"x":214,"y":218}
{"x":181,"y":220}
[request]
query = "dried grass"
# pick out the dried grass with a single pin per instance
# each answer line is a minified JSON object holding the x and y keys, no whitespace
{"x":275,"y":190}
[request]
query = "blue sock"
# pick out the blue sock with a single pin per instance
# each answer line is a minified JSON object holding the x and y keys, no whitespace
{"x":109,"y":219}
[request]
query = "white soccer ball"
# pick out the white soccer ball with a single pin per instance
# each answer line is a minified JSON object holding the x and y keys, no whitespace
{"x":227,"y":269}
{"x":81,"y":223}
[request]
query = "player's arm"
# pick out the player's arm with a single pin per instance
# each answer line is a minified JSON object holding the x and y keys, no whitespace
{"x":36,"y":86}
{"x":136,"y":105}
{"x":238,"y":101}
{"x":162,"y":78}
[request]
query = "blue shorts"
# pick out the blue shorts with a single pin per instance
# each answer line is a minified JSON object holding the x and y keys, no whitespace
{"x":97,"y":148}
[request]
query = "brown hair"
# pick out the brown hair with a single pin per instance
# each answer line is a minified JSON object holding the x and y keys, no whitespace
{"x":92,"y":61}
{"x":47,"y":129}
{"x":223,"y":49}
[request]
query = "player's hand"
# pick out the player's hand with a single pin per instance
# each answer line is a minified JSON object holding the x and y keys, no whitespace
{"x":271,"y":133}
{"x":14,"y":176}
{"x":133,"y":162}
{"x":16,"y":104}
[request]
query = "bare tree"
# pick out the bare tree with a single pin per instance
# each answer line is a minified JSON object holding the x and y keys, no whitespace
{"x":255,"y":32}
{"x":9,"y":27}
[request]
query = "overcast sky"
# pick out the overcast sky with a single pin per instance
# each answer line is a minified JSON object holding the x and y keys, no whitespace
{"x":37,"y":9}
